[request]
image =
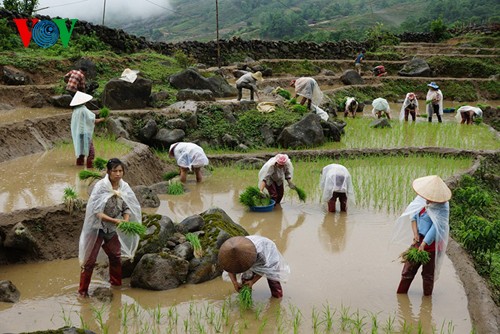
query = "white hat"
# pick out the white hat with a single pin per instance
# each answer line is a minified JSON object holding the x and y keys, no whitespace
{"x":432,"y":188}
{"x":129,"y":75}
{"x":80,"y":98}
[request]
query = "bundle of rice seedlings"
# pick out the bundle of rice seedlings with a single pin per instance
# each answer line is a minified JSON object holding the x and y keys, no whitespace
{"x":99,"y":163}
{"x":71,"y":200}
{"x":299,"y":108}
{"x":132,"y":228}
{"x":301,"y":193}
{"x":170,"y":175}
{"x":415,"y":255}
{"x":175,"y":188}
{"x":253,"y":197}
{"x":104,"y":112}
{"x":245,"y":297}
{"x":89,"y":175}
{"x":284,"y":93}
{"x":195,"y":241}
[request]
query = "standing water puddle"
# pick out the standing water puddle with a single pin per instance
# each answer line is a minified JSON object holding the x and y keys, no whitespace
{"x":343,"y":267}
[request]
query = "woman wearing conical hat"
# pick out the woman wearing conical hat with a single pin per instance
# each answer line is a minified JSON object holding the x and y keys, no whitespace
{"x":427,"y":217}
{"x":253,"y":257}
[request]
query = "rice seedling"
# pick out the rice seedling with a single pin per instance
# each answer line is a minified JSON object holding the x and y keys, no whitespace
{"x":245,"y":297}
{"x":195,"y":242}
{"x":301,"y":193}
{"x":315,"y":320}
{"x":327,"y":317}
{"x":99,"y":163}
{"x":98,"y":315}
{"x":415,"y":255}
{"x":262,"y":326}
{"x":253,"y":197}
{"x":66,"y":318}
{"x":175,"y":188}
{"x":132,"y":228}
{"x":170,"y":175}
{"x":103,"y":112}
{"x":71,"y":200}
{"x":389,"y":325}
{"x":89,"y":175}
{"x":284,"y":93}
{"x":345,"y":319}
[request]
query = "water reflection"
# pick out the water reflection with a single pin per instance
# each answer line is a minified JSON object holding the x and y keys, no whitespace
{"x":332,"y":232}
{"x":421,"y":322}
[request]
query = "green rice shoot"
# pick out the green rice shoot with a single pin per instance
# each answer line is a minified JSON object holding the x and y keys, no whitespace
{"x":195,"y":241}
{"x":252,"y":197}
{"x":132,"y":228}
{"x":170,"y":175}
{"x":89,"y":175}
{"x":414,"y":255}
{"x":71,"y":200}
{"x":99,"y":163}
{"x":301,"y":193}
{"x":245,"y":297}
{"x":175,"y":188}
{"x":104,"y":112}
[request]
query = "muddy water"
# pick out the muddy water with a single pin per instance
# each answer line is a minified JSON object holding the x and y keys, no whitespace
{"x":342,"y":263}
{"x":20,"y":114}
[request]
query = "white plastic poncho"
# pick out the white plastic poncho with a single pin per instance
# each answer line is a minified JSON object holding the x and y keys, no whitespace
{"x":309,"y":88}
{"x":476,"y":110}
{"x":335,"y":177}
{"x":439,"y":214}
{"x":380,"y":104}
{"x":82,"y":129}
{"x":189,"y":155}
{"x":431,"y":95}
{"x":320,"y":112}
{"x":406,"y":103}
{"x":270,"y":262}
{"x":348,"y":103}
{"x":269,"y":168}
{"x":100,"y":194}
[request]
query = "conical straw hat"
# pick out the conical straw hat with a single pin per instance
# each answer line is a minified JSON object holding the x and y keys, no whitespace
{"x":257,"y":76}
{"x":80,"y":98}
{"x":432,"y":188}
{"x":237,"y":255}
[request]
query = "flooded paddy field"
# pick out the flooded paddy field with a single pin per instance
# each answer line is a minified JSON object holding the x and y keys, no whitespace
{"x":345,"y":269}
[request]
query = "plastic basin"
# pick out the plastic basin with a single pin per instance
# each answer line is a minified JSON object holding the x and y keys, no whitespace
{"x":266,"y":208}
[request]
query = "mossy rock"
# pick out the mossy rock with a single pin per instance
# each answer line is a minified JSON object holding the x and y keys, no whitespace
{"x":218,"y":228}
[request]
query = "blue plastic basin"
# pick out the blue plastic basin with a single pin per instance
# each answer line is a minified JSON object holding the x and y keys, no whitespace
{"x":267,"y":208}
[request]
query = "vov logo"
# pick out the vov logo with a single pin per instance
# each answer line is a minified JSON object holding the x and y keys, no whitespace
{"x":45,"y":33}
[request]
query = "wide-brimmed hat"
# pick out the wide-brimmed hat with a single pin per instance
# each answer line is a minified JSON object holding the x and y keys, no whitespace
{"x":80,"y":98}
{"x":129,"y":75}
{"x":433,"y":85}
{"x":257,"y":76}
{"x":432,"y":188}
{"x":281,"y":159}
{"x":237,"y":255}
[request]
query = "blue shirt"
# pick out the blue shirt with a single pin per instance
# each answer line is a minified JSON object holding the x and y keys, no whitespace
{"x":359,"y":57}
{"x":425,"y":227}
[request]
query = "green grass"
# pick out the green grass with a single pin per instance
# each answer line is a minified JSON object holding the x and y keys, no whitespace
{"x":175,"y":188}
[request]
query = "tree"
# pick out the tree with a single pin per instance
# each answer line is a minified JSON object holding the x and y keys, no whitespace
{"x":21,"y":6}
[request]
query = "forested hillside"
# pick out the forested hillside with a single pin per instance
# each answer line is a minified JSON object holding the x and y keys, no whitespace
{"x":314,"y":20}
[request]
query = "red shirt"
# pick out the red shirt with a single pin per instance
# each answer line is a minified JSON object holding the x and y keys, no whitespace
{"x":75,"y":80}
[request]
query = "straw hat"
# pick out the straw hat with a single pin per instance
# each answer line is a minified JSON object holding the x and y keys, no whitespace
{"x":281,"y":159}
{"x":80,"y":98}
{"x":237,"y":255}
{"x":257,"y":76}
{"x":129,"y":75}
{"x":433,"y":85}
{"x":432,"y":188}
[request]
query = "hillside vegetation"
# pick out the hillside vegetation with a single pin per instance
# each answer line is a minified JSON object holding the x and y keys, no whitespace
{"x":314,"y":20}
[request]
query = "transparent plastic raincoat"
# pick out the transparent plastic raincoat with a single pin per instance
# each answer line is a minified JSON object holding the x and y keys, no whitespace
{"x":189,"y":155}
{"x":477,"y":111}
{"x":82,"y":129}
{"x":309,"y":88}
{"x":100,"y":194}
{"x":335,"y":177}
{"x":406,"y":103}
{"x":439,"y":214}
{"x":431,"y":95}
{"x":270,"y":262}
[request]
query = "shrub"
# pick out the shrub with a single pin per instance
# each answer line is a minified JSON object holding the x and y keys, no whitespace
{"x":183,"y":60}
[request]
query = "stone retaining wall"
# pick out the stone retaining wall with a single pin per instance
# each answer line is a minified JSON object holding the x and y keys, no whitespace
{"x":206,"y":52}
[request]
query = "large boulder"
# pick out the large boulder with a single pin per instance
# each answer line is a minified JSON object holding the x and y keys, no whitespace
{"x":20,"y":237}
{"x":351,"y":77}
{"x":415,"y":68}
{"x":120,"y":94}
{"x":195,"y":95}
{"x":307,"y":132}
{"x":15,"y":77}
{"x":192,"y":79}
{"x":162,"y":271}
